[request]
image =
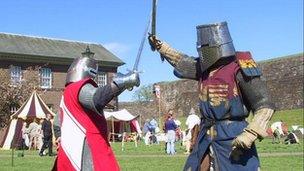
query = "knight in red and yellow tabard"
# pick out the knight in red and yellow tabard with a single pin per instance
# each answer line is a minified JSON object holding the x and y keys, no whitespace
{"x":81,"y":126}
{"x":229,"y":88}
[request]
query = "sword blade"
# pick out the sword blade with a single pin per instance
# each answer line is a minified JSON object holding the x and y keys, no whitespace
{"x":153,"y":29}
{"x":141,"y":46}
{"x":151,"y":22}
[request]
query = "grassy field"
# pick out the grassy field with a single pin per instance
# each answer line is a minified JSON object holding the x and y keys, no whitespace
{"x":291,"y":117}
{"x":273,"y":157}
{"x":153,"y":157}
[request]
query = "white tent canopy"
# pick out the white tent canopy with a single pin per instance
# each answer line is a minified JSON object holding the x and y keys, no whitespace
{"x":121,"y":115}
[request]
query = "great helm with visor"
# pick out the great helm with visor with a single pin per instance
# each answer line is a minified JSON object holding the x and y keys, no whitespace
{"x":82,"y":67}
{"x":213,"y":43}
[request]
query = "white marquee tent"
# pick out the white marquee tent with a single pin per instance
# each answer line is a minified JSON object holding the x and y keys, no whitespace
{"x":122,"y":121}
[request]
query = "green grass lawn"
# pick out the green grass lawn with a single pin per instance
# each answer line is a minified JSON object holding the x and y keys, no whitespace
{"x":284,"y":163}
{"x":291,"y":117}
{"x":153,"y":158}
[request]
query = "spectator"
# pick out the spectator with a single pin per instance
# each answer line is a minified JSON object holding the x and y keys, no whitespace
{"x":291,"y":138}
{"x":25,"y":138}
{"x":154,"y":125}
{"x":146,"y":126}
{"x":191,"y":121}
{"x":40,"y":135}
{"x":33,"y":134}
{"x":47,"y":135}
{"x":178,"y":131}
{"x":279,"y":129}
{"x":276,"y":136}
{"x":170,"y":128}
{"x":146,"y":132}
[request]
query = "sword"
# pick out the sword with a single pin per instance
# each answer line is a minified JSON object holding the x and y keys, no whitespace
{"x":141,"y":46}
{"x":153,"y":27}
{"x":152,"y":23}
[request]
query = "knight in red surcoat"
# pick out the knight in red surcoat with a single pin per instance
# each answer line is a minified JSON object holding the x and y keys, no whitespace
{"x":80,"y":126}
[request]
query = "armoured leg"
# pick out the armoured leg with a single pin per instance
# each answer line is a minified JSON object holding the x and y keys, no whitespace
{"x":87,"y":162}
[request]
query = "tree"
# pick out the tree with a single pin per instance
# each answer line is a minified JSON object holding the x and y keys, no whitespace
{"x":144,"y":93}
{"x":13,"y":95}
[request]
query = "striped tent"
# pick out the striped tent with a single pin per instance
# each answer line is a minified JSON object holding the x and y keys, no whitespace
{"x":33,"y":108}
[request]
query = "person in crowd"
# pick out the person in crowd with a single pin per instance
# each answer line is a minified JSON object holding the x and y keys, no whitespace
{"x":47,"y":133}
{"x":291,"y":138}
{"x":279,"y":130}
{"x":178,"y":131}
{"x":170,"y":128}
{"x":25,"y":137}
{"x":154,"y":125}
{"x":146,"y":132}
{"x":191,"y":121}
{"x":33,"y":134}
{"x":276,"y":136}
{"x":146,"y":126}
{"x":40,"y":135}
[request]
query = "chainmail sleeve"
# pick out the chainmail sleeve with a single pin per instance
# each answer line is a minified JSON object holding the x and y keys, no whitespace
{"x":254,"y":92}
{"x":95,"y":98}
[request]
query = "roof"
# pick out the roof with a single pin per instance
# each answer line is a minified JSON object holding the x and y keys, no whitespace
{"x":48,"y":48}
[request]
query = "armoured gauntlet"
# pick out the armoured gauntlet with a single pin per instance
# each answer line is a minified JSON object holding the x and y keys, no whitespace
{"x":255,"y":129}
{"x":165,"y":50}
{"x":126,"y":81}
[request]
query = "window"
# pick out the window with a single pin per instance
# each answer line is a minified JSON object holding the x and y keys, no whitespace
{"x":16,"y":74}
{"x":101,"y":79}
{"x":45,"y":78}
{"x":13,"y":109}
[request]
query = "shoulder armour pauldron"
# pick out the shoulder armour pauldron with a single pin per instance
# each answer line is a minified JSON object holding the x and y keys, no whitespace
{"x":247,"y":64}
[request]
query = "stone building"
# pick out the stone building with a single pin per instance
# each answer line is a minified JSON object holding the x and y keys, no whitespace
{"x":18,"y":52}
{"x":283,"y":76}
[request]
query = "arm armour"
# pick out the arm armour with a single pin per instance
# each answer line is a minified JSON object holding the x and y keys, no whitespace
{"x":185,"y":66}
{"x":56,"y":126}
{"x":256,"y":98}
{"x":254,"y":92}
{"x":188,"y":68}
{"x":95,"y":98}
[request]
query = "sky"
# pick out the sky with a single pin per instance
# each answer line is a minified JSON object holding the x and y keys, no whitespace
{"x":267,"y":28}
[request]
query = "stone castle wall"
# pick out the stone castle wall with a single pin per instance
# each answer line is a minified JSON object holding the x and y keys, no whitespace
{"x":283,"y":76}
{"x":284,"y":80}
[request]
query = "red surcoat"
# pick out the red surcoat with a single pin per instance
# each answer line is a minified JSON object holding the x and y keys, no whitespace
{"x":79,"y":125}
